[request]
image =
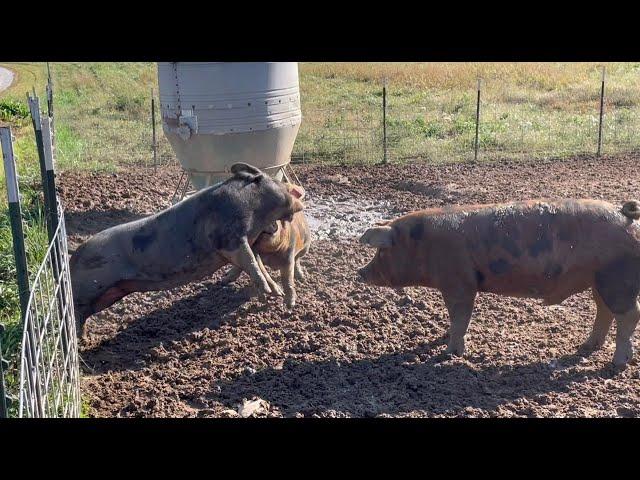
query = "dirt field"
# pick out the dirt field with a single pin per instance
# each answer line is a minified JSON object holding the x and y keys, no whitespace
{"x":348,"y":349}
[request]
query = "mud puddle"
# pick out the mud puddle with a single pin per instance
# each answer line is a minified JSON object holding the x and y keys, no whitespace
{"x":342,"y":217}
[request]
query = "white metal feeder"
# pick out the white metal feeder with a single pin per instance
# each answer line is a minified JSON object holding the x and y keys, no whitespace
{"x":216,"y":114}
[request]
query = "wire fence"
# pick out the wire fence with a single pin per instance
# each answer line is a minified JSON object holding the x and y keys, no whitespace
{"x":49,"y":371}
{"x":507,"y":122}
{"x":398,"y":123}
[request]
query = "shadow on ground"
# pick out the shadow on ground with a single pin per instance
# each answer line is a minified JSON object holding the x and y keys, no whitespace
{"x":395,"y":384}
{"x":125,"y":350}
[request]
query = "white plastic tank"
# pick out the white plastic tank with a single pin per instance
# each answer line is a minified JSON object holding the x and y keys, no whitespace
{"x":218,"y":113}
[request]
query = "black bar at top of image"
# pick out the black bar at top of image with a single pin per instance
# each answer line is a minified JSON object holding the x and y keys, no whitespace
{"x":394,"y":36}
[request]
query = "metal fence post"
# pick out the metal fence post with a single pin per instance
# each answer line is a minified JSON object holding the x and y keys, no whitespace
{"x":385,"y":158}
{"x":344,"y":138}
{"x":4,"y":413}
{"x":475,"y":155}
{"x":50,"y":103}
{"x":56,"y":259}
{"x":15,"y":216}
{"x":601,"y":113}
{"x":48,"y":148}
{"x":4,"y":398}
{"x":49,"y":88}
{"x":36,"y":120}
{"x":153,"y":128}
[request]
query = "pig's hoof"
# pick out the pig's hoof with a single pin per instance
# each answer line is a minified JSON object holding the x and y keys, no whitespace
{"x":590,"y":345}
{"x":290,"y":297}
{"x":263,"y":290}
{"x":300,"y":273}
{"x":277,"y":291}
{"x":622,"y":357}
{"x":454,"y":350}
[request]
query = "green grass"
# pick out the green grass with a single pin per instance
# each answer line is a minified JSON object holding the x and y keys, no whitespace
{"x":85,"y":408}
{"x":35,"y":246}
{"x":12,"y":110}
{"x":528,"y":110}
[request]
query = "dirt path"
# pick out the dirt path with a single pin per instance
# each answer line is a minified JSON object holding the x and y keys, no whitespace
{"x":349,"y":349}
{"x":6,"y":78}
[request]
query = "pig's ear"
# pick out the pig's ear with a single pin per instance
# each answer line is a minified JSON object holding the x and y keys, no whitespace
{"x":296,"y":191}
{"x":379,"y":237}
{"x":240,"y":167}
{"x":297,"y":206}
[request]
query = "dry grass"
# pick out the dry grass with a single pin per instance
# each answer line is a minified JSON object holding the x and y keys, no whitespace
{"x":463,"y":76}
{"x":541,"y":109}
{"x":528,"y":109}
{"x":103,"y":109}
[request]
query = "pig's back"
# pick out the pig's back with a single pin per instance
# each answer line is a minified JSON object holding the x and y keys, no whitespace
{"x":543,"y":249}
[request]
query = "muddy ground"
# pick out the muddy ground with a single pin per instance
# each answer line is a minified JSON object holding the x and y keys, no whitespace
{"x":348,"y":349}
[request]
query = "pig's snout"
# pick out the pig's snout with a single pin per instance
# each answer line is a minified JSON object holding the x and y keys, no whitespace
{"x":373,"y":274}
{"x":271,"y":228}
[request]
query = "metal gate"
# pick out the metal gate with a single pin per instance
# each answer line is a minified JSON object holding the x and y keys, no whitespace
{"x":49,"y":371}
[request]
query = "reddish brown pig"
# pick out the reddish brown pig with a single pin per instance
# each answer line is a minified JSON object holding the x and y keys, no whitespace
{"x":536,"y":249}
{"x":281,"y":250}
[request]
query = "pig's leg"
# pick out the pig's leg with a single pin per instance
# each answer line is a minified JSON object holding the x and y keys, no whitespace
{"x":459,"y":303}
{"x":232,"y":275}
{"x":243,"y":257}
{"x":287,"y":274}
{"x":619,"y":285}
{"x":81,"y":324}
{"x":626,"y":324}
{"x":601,"y":325}
{"x":274,"y":286}
{"x":298,"y":270}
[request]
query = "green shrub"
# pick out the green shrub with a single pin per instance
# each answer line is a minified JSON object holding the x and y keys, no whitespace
{"x":13,"y":110}
{"x":132,"y":104}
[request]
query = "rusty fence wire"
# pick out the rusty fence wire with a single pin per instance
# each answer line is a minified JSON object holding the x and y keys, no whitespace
{"x":49,"y":368}
{"x":344,"y":134}
{"x":513,"y":123}
{"x":436,"y":125}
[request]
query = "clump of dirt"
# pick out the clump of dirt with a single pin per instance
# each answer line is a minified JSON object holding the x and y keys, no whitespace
{"x":444,"y":193}
{"x":349,"y":349}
